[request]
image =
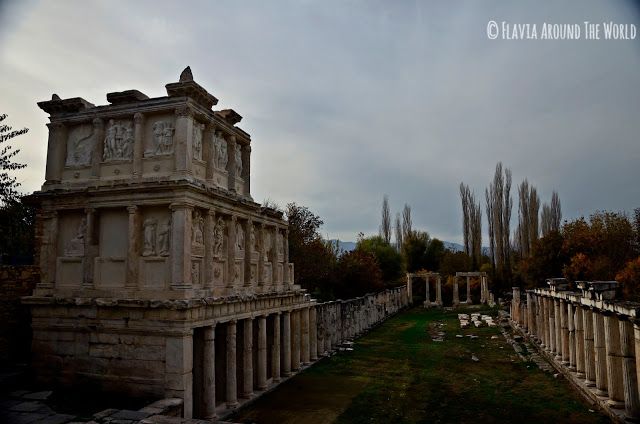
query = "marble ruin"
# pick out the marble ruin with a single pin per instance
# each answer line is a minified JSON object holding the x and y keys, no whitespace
{"x":485,"y":296}
{"x":589,"y":336}
{"x":160,"y":276}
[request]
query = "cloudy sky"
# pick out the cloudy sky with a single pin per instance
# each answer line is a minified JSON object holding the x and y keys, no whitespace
{"x":349,"y":100}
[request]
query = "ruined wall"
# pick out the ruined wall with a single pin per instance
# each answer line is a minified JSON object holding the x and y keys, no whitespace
{"x":15,"y":319}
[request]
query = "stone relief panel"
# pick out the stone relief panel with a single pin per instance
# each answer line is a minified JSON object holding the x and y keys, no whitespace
{"x":118,"y":141}
{"x":162,"y":139}
{"x":220,"y":151}
{"x":110,"y":265}
{"x":240,"y":240}
{"x":219,"y":235}
{"x":197,"y":140}
{"x":156,"y":236}
{"x":80,"y":145}
{"x":71,"y":234}
{"x":267,"y":245}
{"x":280,"y":245}
{"x":238,"y":157}
{"x":197,"y":229}
{"x":76,"y":246}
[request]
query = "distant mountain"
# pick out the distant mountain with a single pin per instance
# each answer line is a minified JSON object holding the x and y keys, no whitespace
{"x":348,"y":246}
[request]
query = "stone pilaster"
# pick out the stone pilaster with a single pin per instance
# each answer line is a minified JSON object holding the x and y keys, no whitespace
{"x":138,"y":144}
{"x":564,"y":332}
{"x":179,"y":370}
{"x":49,"y":251}
{"x":557,"y":326}
{"x":231,"y":252}
{"x":208,"y":152}
{"x":288,"y":279}
{"x":456,"y":296}
{"x":133,"y":249}
{"x":313,"y":334}
{"x":246,"y":169}
{"x":232,"y":382}
{"x":589,"y":352}
{"x":579,"y":341}
{"x":231,"y":164}
{"x":286,"y":343}
{"x":56,"y":152}
{"x":468,"y":300}
{"x":571,"y":330}
{"x":262,"y":353}
{"x":628,"y":348}
{"x":98,"y":148}
{"x":209,"y":373}
{"x":209,"y":224}
{"x":181,"y":220}
{"x":90,"y":248}
{"x":615,"y":386}
{"x":305,"y":343}
{"x":600,"y":353}
{"x":247,"y":359}
{"x":552,"y":328}
{"x":183,"y":141}
{"x":439,"y":291}
{"x":248,"y":224}
{"x":275,"y":348}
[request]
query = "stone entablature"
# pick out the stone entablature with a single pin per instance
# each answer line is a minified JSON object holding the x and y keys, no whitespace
{"x":590,"y":337}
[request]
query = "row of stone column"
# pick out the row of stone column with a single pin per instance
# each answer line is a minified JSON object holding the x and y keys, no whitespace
{"x":307,"y":333}
{"x":598,"y":346}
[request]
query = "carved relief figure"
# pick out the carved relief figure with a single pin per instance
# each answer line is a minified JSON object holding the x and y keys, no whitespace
{"x":118,"y":143}
{"x":280,"y":243}
{"x":220,"y":148}
{"x":252,"y":239}
{"x":162,"y":139}
{"x":238,"y":154}
{"x":195,"y":272}
{"x":197,"y":228}
{"x":75,"y":246}
{"x":236,"y":273}
{"x":267,"y":245}
{"x":197,"y":140}
{"x":239,"y":237}
{"x":149,"y":232}
{"x":218,"y":237}
{"x":80,"y":147}
{"x":164,"y":237}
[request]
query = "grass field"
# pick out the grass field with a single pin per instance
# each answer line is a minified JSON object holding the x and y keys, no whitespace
{"x":397,"y":374}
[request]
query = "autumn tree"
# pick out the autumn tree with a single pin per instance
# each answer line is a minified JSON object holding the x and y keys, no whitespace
{"x":528,"y":207}
{"x":407,"y":223}
{"x":357,"y":273}
{"x":398,"y":231}
{"x":385,"y":225}
{"x":387,"y":257}
{"x":471,"y":225}
{"x":499,"y":205}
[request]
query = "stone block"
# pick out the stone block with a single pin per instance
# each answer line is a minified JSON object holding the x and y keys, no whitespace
{"x":179,"y":354}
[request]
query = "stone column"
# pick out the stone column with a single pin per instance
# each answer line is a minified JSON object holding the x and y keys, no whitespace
{"x":571,"y":329}
{"x":288,"y":279}
{"x":557,"y":325}
{"x":552,"y":327}
{"x":248,"y":224}
{"x":231,"y":163}
{"x":275,"y":349}
{"x":427,"y":302}
{"x":262,"y":352}
{"x":56,"y":152}
{"x":90,"y":249}
{"x":579,"y":341}
{"x":247,"y":359}
{"x":98,"y":148}
{"x":321,"y":330}
{"x":600,"y":353}
{"x":564,"y":329}
{"x":468,"y":300}
{"x":286,"y":343}
{"x":133,"y":247}
{"x":181,"y":217}
{"x":295,"y":340}
{"x":209,"y":373}
{"x":456,"y":297}
{"x":439,"y":290}
{"x":232,"y":383}
{"x":615,"y":385}
{"x":246,"y":169}
{"x":182,"y":141}
{"x":589,"y":354}
{"x":138,"y":144}
{"x":306,"y":343}
{"x":629,"y":370}
{"x":530,"y":313}
{"x":49,"y":250}
{"x":260,"y":235}
{"x":231,"y":252}
{"x":313,"y":334}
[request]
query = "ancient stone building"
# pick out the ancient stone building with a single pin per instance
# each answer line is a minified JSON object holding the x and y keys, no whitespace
{"x":154,"y":258}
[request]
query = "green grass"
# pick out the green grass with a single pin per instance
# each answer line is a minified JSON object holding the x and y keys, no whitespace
{"x":397,"y":374}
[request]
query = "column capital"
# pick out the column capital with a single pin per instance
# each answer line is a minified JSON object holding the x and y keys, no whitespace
{"x":138,"y":118}
{"x":56,"y":126}
{"x":89,"y":210}
{"x":180,"y":205}
{"x":211,"y":212}
{"x":132,"y":209}
{"x":184,"y":111}
{"x":97,"y":122}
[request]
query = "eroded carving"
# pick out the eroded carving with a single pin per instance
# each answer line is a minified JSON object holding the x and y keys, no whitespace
{"x":280,"y":243}
{"x":218,"y":237}
{"x":253,"y":242}
{"x":75,"y":246}
{"x":197,"y":140}
{"x":267,"y":245}
{"x":220,"y":149}
{"x":149,"y":231}
{"x":80,"y":146}
{"x":238,"y":154}
{"x":239,"y":237}
{"x":197,"y":229}
{"x":162,"y":139}
{"x":118,"y":143}
{"x":164,"y":238}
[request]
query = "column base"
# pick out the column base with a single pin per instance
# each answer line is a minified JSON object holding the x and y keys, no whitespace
{"x":247,"y":395}
{"x":571,"y":368}
{"x":602,"y":393}
{"x":615,"y":404}
{"x":632,"y":419}
{"x":589,"y":383}
{"x":580,"y":375}
{"x":233,"y":404}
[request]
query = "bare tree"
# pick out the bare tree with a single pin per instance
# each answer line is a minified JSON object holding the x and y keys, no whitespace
{"x":551,"y":215}
{"x":9,"y":184}
{"x":488,"y":196}
{"x":385,"y":225}
{"x":407,"y":224}
{"x":499,"y":205}
{"x":529,"y":205}
{"x":398,"y":231}
{"x":465,"y":197}
{"x":471,"y":225}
